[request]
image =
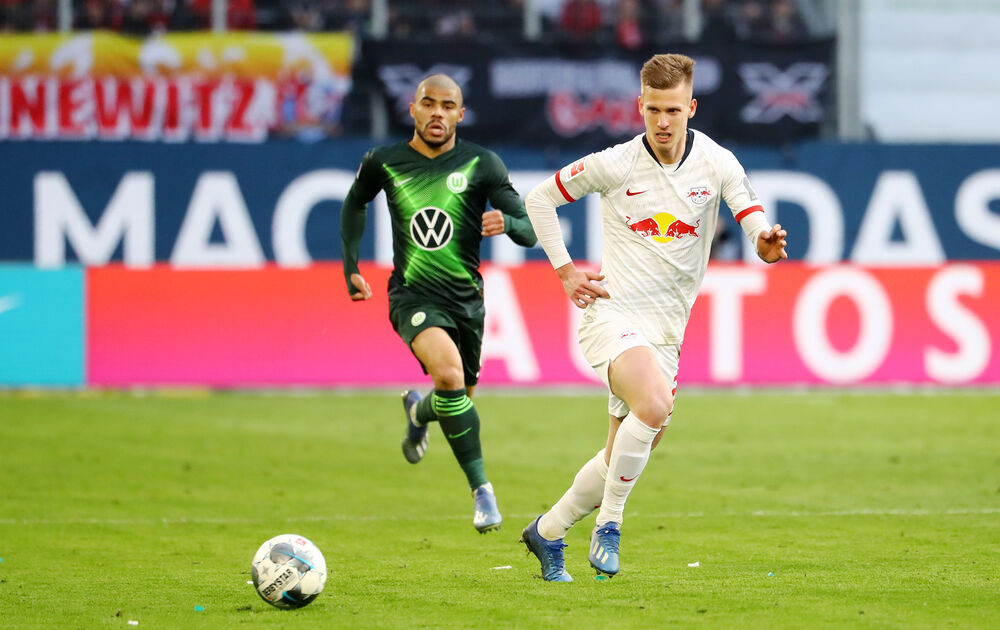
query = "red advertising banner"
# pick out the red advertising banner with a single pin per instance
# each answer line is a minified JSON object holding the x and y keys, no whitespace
{"x":234,"y":87}
{"x":786,"y":324}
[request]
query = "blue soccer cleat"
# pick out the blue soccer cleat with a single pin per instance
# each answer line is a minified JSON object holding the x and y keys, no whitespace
{"x":486,"y":516}
{"x":415,"y":441}
{"x":548,"y":552}
{"x":604,"y":548}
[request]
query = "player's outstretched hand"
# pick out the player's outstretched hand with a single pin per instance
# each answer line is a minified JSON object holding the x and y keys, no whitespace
{"x":771,"y":244}
{"x":364,"y":292}
{"x":492,"y":223}
{"x":581,"y":287}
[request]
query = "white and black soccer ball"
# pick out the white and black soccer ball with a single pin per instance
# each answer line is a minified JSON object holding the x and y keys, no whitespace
{"x":289,"y":571}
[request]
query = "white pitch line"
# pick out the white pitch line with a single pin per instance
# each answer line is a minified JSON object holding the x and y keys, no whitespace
{"x":320,"y":518}
{"x":880,"y":512}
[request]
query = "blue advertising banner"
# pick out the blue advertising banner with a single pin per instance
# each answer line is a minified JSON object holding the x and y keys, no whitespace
{"x":244,"y":206}
{"x":41,"y":326}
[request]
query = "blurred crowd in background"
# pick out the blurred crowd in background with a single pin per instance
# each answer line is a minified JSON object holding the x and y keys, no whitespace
{"x":629,"y":24}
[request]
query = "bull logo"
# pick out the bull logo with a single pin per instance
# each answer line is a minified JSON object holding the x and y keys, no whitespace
{"x":679,"y":229}
{"x":644,"y":227}
{"x":662,"y":227}
{"x":699,"y":195}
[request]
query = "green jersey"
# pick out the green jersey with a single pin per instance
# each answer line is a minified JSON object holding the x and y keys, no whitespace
{"x":436,"y":207}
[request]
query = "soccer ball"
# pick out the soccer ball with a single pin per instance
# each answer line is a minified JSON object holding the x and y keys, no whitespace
{"x":288,"y":571}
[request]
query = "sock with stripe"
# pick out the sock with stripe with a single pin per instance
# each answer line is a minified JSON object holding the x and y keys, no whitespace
{"x":582,"y":498}
{"x":425,"y":410}
{"x":460,"y":424}
{"x":629,"y":454}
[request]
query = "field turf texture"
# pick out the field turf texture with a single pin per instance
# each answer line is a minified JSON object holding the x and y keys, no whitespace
{"x":820,"y":509}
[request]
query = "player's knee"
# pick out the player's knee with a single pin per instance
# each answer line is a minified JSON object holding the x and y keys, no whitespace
{"x":655,"y":408}
{"x":449,"y":378}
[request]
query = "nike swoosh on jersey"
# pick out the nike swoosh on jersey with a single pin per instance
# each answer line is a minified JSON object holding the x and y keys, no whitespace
{"x":402,"y":181}
{"x":629,"y":193}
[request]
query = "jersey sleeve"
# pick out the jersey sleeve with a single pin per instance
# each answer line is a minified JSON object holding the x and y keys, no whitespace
{"x":584,"y":176}
{"x":587,"y":175}
{"x":741,"y":198}
{"x":504,"y":198}
{"x":354,"y":211}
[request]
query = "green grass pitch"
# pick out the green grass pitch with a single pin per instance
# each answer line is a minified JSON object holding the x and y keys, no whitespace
{"x":824,"y":509}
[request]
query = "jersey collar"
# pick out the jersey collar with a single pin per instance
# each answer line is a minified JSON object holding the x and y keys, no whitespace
{"x":431,"y":159}
{"x":687,"y":149}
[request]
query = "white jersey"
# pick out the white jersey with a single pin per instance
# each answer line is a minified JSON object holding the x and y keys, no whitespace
{"x":658,"y":221}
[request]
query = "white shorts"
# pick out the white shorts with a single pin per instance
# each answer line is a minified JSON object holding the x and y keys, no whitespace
{"x":605,"y":334}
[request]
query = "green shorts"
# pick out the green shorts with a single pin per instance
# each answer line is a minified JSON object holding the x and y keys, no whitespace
{"x":410,"y":317}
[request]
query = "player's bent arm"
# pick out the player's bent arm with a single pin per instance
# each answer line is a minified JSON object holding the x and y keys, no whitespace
{"x":581,"y":287}
{"x":519,"y":229}
{"x":768,"y":241}
{"x":366,"y":185}
{"x":541,"y":204}
{"x":753,"y":222}
{"x":506,"y":199}
{"x":352,"y":226}
{"x":516,"y":224}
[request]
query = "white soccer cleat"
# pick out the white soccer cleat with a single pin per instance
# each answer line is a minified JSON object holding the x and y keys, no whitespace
{"x":486,"y":516}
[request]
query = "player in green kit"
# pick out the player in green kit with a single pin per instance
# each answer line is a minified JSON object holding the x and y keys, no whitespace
{"x":437,"y":187}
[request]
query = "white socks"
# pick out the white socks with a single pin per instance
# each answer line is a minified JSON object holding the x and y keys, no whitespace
{"x":582,"y":498}
{"x":602,"y":485}
{"x":629,"y":455}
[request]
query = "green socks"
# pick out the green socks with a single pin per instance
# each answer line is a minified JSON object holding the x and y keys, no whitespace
{"x":460,"y":424}
{"x":425,"y":410}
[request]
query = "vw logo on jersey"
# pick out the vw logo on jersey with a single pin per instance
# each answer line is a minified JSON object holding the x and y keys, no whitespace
{"x":431,"y":228}
{"x":457,"y":182}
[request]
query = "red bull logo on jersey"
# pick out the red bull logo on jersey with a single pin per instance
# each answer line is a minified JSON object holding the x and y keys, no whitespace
{"x":699,"y":195}
{"x":678,"y":229}
{"x":662,"y":227}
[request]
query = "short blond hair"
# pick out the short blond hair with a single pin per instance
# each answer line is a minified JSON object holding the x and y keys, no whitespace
{"x":663,"y":72}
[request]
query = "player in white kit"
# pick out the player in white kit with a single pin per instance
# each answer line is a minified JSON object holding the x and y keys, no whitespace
{"x":660,"y":195}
